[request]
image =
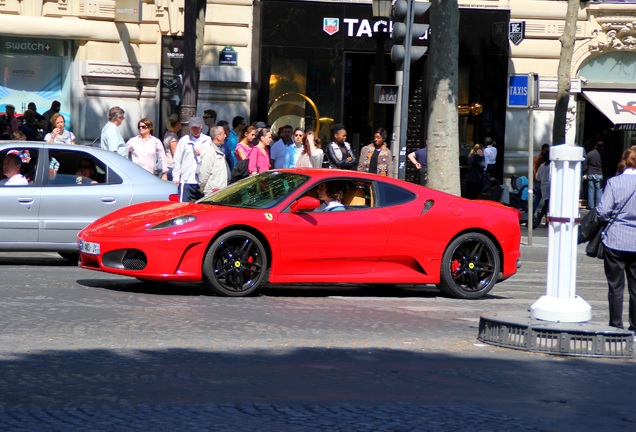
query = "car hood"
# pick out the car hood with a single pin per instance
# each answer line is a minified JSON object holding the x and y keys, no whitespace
{"x":139,"y":217}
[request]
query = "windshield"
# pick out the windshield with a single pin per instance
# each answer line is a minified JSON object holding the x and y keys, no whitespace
{"x":261,"y":191}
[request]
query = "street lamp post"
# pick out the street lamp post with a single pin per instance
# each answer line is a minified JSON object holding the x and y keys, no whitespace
{"x":381,"y":14}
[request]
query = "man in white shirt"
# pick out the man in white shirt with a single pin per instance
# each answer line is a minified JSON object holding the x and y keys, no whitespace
{"x":490,"y":156}
{"x":111,"y":138}
{"x":280,"y":149}
{"x":214,"y":170}
{"x":187,"y":157}
{"x":11,"y":168}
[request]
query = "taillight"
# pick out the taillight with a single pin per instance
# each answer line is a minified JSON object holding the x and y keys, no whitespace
{"x":173,"y":197}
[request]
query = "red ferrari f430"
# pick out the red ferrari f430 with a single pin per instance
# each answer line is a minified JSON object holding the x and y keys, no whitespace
{"x":311,"y":226}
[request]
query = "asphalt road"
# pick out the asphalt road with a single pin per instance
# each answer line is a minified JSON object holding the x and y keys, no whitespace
{"x":82,"y":350}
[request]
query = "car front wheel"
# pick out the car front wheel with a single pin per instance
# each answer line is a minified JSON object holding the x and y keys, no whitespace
{"x":235,"y":265}
{"x":470,"y":267}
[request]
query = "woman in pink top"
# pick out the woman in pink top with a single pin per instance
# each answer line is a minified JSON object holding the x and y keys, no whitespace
{"x":259,"y":156}
{"x":244,"y":146}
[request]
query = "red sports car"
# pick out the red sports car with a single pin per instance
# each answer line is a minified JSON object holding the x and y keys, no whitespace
{"x":273,"y":228}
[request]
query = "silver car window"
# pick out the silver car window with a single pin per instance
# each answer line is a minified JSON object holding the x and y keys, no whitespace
{"x":77,"y":167}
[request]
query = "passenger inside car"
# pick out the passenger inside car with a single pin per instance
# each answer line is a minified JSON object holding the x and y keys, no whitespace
{"x":87,"y":170}
{"x":11,"y":167}
{"x":356,"y":195}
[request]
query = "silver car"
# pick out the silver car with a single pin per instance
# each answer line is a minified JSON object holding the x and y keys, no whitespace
{"x":69,"y":186}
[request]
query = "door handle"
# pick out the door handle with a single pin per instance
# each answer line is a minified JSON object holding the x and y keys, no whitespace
{"x":25,"y":200}
{"x":109,"y":199}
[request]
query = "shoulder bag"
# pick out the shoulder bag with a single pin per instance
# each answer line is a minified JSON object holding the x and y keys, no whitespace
{"x":595,"y":246}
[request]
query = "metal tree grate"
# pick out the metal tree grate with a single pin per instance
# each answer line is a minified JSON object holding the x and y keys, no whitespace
{"x":556,"y":338}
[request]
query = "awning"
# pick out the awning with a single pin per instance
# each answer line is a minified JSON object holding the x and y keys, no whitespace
{"x":619,"y":107}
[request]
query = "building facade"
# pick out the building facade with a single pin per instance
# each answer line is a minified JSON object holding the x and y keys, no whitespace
{"x":603,"y":73}
{"x":312,"y":63}
{"x":94,"y":54}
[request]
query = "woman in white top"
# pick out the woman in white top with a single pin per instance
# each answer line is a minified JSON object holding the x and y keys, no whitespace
{"x":59,"y":134}
{"x":170,"y":140}
{"x":312,"y":155}
{"x":147,"y":151}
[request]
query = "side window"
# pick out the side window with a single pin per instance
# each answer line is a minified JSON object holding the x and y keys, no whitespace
{"x":388,"y":194}
{"x":358,"y":195}
{"x":71,"y":167}
{"x":19,"y":166}
{"x":342,"y":195}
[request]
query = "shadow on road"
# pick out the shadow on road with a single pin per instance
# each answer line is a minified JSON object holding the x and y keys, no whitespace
{"x":300,"y":290}
{"x":311,"y":389}
{"x":36,"y":260}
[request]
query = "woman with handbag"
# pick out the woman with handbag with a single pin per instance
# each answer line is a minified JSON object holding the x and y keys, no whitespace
{"x":147,"y":151}
{"x":618,"y":207}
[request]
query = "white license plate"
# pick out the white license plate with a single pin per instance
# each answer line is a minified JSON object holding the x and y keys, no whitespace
{"x":89,"y":248}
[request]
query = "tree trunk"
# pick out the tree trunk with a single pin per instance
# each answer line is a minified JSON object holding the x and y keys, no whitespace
{"x":567,"y":40}
{"x":194,"y":26}
{"x":443,"y":131}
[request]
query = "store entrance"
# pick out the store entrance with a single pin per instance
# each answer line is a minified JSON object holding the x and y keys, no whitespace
{"x":360,"y":115}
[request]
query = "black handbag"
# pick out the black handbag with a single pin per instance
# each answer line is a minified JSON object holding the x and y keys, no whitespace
{"x":592,"y":230}
{"x":595,"y":247}
{"x":590,"y":226}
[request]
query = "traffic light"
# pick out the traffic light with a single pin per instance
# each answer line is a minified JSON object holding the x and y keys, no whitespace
{"x":408,"y":31}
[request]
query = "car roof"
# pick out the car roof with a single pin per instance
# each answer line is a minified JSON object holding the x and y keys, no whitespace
{"x":327,"y":173}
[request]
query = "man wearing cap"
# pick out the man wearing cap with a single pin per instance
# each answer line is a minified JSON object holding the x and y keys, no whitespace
{"x":11,"y":169}
{"x":111,"y":138}
{"x":187,"y":157}
{"x":12,"y":122}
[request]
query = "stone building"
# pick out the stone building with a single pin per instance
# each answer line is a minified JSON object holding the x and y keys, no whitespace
{"x":288,"y":63}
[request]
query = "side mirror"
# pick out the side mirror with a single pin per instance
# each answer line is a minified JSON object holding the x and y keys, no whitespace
{"x":305,"y":204}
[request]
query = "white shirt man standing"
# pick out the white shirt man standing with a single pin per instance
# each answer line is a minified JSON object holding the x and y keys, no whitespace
{"x":111,"y":138}
{"x":490,"y":156}
{"x":279,"y":150}
{"x":214,"y":171}
{"x":187,"y":157}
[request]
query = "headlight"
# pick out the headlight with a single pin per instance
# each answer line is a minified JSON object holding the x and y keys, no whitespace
{"x":179,"y":221}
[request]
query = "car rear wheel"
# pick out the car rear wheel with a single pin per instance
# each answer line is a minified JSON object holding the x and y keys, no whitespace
{"x":235,"y":265}
{"x":470,"y":267}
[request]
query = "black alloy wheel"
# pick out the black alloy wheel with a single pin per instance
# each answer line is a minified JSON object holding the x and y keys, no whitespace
{"x":235,"y":265}
{"x":470,"y":267}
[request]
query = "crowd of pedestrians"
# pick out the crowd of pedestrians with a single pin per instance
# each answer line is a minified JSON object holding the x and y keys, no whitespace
{"x":246,"y":149}
{"x":32,"y":125}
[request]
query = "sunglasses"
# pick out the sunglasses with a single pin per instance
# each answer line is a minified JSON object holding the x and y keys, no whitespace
{"x":85,"y":167}
{"x":142,"y":126}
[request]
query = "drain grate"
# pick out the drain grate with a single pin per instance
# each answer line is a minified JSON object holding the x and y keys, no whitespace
{"x":524,"y":333}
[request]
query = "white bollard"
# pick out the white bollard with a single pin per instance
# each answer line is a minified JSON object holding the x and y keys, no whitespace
{"x":561,"y":304}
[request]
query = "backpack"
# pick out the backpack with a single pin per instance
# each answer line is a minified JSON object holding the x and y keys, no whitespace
{"x":240,"y":171}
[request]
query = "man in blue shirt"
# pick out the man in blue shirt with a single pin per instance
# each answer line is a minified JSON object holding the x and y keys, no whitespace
{"x":419,"y":159}
{"x":111,"y":138}
{"x":238,"y":126}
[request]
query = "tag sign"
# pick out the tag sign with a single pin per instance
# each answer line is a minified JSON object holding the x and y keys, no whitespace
{"x":228,"y":56}
{"x":517,"y":31}
{"x":523,"y":90}
{"x":386,"y":94}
